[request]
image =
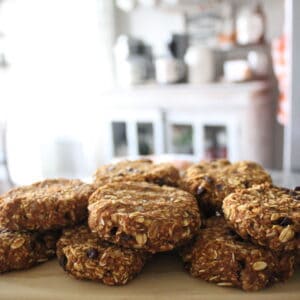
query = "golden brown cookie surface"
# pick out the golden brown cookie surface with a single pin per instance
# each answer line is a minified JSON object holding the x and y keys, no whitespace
{"x":137,"y":170}
{"x":212,"y":181}
{"x":22,"y":250}
{"x":268,"y":215}
{"x":84,"y":256}
{"x":143,"y":215}
{"x":46,"y":205}
{"x":220,"y":256}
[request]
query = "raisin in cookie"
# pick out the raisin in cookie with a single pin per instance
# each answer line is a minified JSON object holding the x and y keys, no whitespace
{"x":84,"y":256}
{"x":220,"y":256}
{"x":268,"y":215}
{"x":137,"y":170}
{"x":47,"y":205}
{"x":212,"y":181}
{"x":143,"y":215}
{"x":23,"y":249}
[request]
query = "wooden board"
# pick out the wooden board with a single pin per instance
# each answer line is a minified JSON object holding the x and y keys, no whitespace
{"x":162,"y":278}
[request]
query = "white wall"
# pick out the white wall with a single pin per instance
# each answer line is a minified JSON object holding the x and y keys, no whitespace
{"x":59,"y":54}
{"x":151,"y":25}
{"x":292,"y":129}
{"x":54,"y":50}
{"x":274,"y":10}
{"x":155,"y":26}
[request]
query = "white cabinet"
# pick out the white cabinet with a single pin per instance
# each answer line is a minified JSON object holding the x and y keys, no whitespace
{"x":133,"y":132}
{"x":212,"y":134}
{"x":204,"y":121}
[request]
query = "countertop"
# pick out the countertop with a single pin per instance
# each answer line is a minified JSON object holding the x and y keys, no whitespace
{"x":162,"y":278}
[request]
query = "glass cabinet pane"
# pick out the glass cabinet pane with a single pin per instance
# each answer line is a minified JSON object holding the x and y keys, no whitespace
{"x":120,"y":143}
{"x":145,"y":138}
{"x":215,"y":142}
{"x":182,"y":139}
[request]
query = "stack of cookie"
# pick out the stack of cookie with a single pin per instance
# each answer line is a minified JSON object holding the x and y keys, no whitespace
{"x":231,"y":226}
{"x":253,"y":241}
{"x":132,"y":215}
{"x":31,"y":218}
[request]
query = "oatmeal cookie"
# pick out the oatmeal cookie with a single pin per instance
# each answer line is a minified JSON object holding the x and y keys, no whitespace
{"x":268,"y":215}
{"x":84,"y":256}
{"x":137,"y":170}
{"x":143,"y":215}
{"x":23,"y":249}
{"x":47,"y":205}
{"x":212,"y":181}
{"x":298,"y":258}
{"x":220,"y":256}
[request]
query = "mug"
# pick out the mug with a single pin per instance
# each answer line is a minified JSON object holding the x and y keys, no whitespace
{"x":169,"y":70}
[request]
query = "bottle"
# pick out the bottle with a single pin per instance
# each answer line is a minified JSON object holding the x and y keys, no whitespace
{"x":221,"y":145}
{"x":227,"y":34}
{"x":201,"y":63}
{"x":209,"y":152}
{"x":251,"y":24}
{"x":169,"y":69}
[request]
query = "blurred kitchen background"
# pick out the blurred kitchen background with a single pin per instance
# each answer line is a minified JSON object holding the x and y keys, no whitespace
{"x":83,"y":83}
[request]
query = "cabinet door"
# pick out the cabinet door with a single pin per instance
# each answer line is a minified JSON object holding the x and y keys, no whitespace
{"x":215,"y":141}
{"x":135,"y":132}
{"x":181,"y":138}
{"x":204,"y":136}
{"x":119,"y":138}
{"x":145,"y":138}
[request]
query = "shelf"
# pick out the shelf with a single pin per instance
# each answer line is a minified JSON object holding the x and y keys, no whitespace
{"x":249,"y":85}
{"x":193,"y":6}
{"x":185,"y":96}
{"x":182,"y":8}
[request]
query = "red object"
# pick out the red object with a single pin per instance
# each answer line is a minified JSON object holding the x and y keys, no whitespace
{"x":280,"y":62}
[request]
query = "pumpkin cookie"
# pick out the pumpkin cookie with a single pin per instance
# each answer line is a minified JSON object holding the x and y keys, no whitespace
{"x":143,"y":215}
{"x":220,"y":256}
{"x":137,"y":170}
{"x":22,"y":250}
{"x":46,"y":205}
{"x":212,"y":181}
{"x":84,"y":256}
{"x":268,"y":215}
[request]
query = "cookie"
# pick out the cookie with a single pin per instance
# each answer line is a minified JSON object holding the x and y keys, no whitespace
{"x":143,"y":215}
{"x":137,"y":170}
{"x":212,"y":181}
{"x":298,"y":258}
{"x":84,"y":256}
{"x":47,"y":205}
{"x":268,"y":215}
{"x":22,"y":250}
{"x":220,"y":256}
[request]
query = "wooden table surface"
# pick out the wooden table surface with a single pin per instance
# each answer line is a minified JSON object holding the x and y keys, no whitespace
{"x":162,"y":278}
